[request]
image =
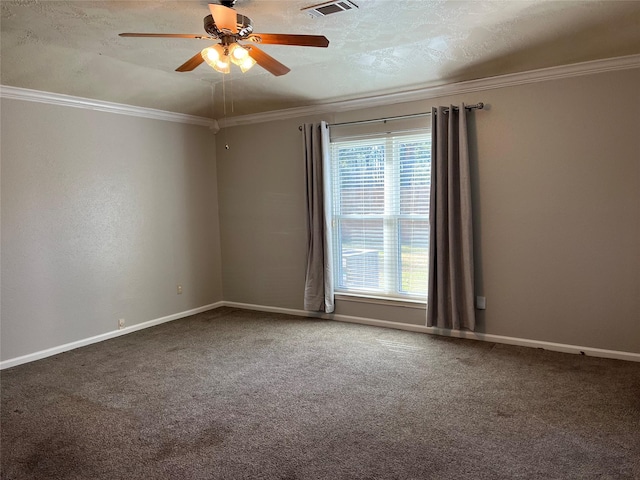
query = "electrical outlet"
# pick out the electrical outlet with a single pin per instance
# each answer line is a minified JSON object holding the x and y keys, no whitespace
{"x":121,"y":324}
{"x":179,"y":289}
{"x":481,"y":303}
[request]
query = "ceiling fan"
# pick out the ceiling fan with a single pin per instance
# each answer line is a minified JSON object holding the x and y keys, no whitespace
{"x":231,"y":28}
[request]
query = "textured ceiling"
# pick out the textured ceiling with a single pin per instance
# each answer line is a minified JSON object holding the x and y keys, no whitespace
{"x":73,"y":47}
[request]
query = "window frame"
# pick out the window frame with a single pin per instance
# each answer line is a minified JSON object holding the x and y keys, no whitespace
{"x":391,"y":218}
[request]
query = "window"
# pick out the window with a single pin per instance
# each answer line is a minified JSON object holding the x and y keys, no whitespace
{"x":380,"y":189}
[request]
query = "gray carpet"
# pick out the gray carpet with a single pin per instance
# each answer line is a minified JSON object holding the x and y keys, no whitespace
{"x":232,"y":394}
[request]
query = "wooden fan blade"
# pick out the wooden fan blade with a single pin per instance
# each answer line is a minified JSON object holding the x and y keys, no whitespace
{"x":267,"y":62}
{"x":165,"y":35}
{"x":286,"y":39}
{"x":224,"y":17}
{"x":190,"y":64}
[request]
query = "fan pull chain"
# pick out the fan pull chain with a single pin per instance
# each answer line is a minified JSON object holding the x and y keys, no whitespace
{"x":231,"y":93}
{"x":224,"y":111}
{"x":224,"y":99}
{"x":213,"y":102}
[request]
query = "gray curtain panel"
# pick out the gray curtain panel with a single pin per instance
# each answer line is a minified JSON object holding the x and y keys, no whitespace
{"x":318,"y":289}
{"x":450,"y":302}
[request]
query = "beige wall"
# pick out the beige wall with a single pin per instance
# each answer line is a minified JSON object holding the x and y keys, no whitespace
{"x":102,"y":216}
{"x":557,"y":182}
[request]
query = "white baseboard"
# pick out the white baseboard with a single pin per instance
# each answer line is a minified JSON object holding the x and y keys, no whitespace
{"x":12,"y":362}
{"x":484,"y":337}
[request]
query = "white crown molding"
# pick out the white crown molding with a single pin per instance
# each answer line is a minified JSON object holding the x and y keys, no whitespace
{"x":532,"y":76}
{"x":16,"y":93}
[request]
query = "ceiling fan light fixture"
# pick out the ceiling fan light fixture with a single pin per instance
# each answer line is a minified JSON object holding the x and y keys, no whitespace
{"x":220,"y":58}
{"x":246,"y":64}
{"x":216,"y":58}
{"x":238,"y":54}
{"x":222,"y":65}
{"x":212,"y":54}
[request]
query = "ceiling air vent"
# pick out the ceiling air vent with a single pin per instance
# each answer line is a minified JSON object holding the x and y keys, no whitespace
{"x":328,"y":8}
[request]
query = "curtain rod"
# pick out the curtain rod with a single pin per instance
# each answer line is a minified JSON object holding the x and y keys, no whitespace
{"x":477,"y":106}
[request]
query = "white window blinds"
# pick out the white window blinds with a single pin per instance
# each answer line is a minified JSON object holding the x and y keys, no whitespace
{"x":380,"y":219}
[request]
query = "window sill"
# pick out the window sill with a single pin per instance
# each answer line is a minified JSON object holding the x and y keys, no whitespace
{"x":392,"y":302}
